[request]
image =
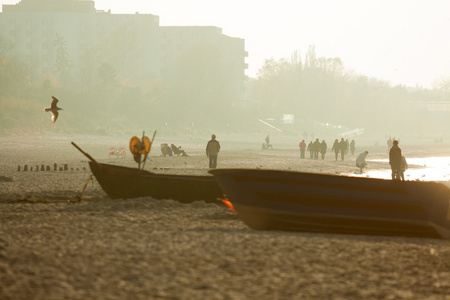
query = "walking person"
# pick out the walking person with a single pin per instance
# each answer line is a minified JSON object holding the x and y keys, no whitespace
{"x":335,"y":148}
{"x":342,"y":148}
{"x":395,"y":160}
{"x":323,"y":149}
{"x":316,"y":147}
{"x":212,"y":150}
{"x":352,"y":147}
{"x":310,"y":149}
{"x":302,"y":147}
{"x":361,"y":161}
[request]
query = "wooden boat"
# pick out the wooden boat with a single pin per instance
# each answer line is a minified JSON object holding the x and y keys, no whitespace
{"x":295,"y":201}
{"x":124,"y":182}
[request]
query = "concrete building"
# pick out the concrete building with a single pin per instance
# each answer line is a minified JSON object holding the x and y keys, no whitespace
{"x":51,"y":36}
{"x":44,"y":34}
{"x":203,"y":44}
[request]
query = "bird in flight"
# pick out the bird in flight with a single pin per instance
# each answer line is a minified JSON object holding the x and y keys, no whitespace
{"x":54,"y":109}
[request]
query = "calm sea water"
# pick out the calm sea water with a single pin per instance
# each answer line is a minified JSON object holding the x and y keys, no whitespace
{"x":435,"y":169}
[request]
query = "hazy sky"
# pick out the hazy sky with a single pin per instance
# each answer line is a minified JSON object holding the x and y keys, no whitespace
{"x":402,"y":41}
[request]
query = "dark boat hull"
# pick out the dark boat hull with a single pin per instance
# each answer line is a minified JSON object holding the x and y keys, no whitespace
{"x":123,"y":182}
{"x":294,"y":201}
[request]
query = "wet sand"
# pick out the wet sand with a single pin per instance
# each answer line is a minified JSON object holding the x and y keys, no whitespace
{"x":53,"y":247}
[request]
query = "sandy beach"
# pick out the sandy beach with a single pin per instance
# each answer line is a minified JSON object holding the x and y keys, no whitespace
{"x":55,"y":247}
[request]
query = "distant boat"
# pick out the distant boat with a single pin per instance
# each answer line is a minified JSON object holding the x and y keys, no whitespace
{"x":120,"y":182}
{"x":295,"y":201}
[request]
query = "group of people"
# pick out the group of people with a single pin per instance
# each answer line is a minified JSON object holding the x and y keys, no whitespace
{"x":172,"y":150}
{"x":317,"y":147}
{"x":396,"y":160}
{"x":314,"y":149}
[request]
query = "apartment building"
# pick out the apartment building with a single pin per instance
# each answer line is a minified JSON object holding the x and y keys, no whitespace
{"x":36,"y":30}
{"x":45,"y":33}
{"x":227,"y":53}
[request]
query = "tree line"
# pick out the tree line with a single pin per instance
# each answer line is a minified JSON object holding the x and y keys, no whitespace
{"x":197,"y":94}
{"x":321,"y":89}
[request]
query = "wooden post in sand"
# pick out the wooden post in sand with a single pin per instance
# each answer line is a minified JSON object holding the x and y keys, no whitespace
{"x":55,"y":167}
{"x":42,"y":167}
{"x":18,"y":168}
{"x":84,"y":187}
{"x":25,"y":168}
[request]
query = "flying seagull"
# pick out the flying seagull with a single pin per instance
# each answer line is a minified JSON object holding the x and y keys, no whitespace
{"x":54,"y":109}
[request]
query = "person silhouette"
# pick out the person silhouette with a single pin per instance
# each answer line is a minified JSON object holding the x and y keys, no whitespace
{"x":212,"y":150}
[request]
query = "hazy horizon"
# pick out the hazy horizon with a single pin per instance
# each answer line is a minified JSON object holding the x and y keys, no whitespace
{"x":402,"y":42}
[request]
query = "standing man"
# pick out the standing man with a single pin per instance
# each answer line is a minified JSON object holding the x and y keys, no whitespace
{"x":335,"y":148}
{"x":395,"y":160}
{"x":316,"y":146}
{"x":302,"y":146}
{"x":310,"y":149}
{"x":361,"y":160}
{"x":323,"y":149}
{"x":342,"y":148}
{"x":352,"y":147}
{"x":212,"y":150}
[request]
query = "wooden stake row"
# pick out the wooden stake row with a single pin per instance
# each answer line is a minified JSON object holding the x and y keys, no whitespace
{"x":44,"y":168}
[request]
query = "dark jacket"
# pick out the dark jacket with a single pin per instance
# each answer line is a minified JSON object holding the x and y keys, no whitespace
{"x":343,"y":145}
{"x":395,"y":156}
{"x":323,"y":147}
{"x":316,"y":146}
{"x":335,"y":147}
{"x":212,"y":148}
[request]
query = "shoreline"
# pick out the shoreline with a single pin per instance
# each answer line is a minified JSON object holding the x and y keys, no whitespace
{"x":38,"y":185}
